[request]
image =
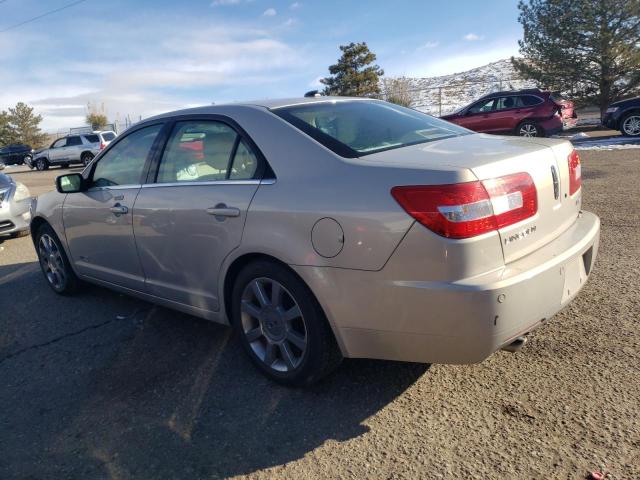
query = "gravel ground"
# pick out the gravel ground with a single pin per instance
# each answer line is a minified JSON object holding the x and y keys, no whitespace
{"x":104,"y":386}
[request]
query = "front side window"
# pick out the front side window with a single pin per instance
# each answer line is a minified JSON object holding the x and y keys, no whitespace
{"x":504,"y":103}
{"x":482,"y":107}
{"x":124,"y":163}
{"x":356,"y":128}
{"x":59,"y":143}
{"x":205,"y":151}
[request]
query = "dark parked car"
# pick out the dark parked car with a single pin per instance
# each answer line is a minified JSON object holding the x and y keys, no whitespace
{"x":528,"y":113}
{"x":15,"y":154}
{"x":624,"y":116}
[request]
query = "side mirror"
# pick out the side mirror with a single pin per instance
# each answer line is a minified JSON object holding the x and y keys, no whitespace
{"x":71,"y":183}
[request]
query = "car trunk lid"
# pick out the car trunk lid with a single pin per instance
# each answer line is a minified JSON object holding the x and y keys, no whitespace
{"x":488,"y":157}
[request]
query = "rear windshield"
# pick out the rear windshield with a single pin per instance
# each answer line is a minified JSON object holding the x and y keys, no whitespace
{"x":92,"y":138}
{"x":108,"y":136}
{"x":356,"y":128}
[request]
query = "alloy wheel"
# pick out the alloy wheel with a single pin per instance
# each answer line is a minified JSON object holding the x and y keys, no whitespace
{"x":40,"y":165}
{"x":631,"y":125}
{"x":52,"y":262}
{"x":273,"y":324}
{"x":528,"y":130}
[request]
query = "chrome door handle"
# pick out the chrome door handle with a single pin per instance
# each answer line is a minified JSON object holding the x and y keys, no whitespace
{"x":223,"y":211}
{"x":118,"y":209}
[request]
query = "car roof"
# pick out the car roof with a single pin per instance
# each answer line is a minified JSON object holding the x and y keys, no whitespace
{"x":513,"y":92}
{"x":269,"y":104}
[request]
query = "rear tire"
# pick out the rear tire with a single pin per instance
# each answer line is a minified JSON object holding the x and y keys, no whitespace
{"x":86,"y":158}
{"x":630,"y":125}
{"x":41,"y":164}
{"x":54,"y":262}
{"x":281,"y":325}
{"x":529,"y":129}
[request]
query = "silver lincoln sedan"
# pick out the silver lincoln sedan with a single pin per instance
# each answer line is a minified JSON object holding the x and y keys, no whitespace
{"x":323,"y":228}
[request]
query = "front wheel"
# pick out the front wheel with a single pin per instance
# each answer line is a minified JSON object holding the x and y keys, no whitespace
{"x":41,"y":164}
{"x":630,"y":125}
{"x":54,"y":262}
{"x":281,"y":325}
{"x":529,"y":129}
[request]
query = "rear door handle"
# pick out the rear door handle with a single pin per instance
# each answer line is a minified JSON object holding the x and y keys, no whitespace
{"x":118,"y":209}
{"x":223,"y":211}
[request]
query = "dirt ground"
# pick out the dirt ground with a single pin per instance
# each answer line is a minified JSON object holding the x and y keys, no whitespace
{"x":104,"y":386}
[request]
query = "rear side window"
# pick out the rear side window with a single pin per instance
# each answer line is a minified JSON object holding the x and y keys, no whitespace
{"x":356,"y":128}
{"x":92,"y":138}
{"x":530,"y":100}
{"x":108,"y":136}
{"x":73,"y":141}
{"x":198,"y":151}
{"x":124,"y":163}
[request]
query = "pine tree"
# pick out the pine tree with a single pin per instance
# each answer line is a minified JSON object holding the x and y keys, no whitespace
{"x":355,"y":74}
{"x":590,"y":48}
{"x":26,"y":125}
{"x":7,"y":133}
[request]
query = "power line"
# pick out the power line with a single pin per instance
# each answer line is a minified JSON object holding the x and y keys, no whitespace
{"x":33,"y":19}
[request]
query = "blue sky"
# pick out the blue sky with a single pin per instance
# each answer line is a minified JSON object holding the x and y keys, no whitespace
{"x":141,"y":57}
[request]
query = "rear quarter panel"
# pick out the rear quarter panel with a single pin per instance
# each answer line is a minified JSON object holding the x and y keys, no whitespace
{"x":313,"y":183}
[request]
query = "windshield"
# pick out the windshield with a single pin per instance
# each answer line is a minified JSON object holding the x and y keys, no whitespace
{"x":356,"y":128}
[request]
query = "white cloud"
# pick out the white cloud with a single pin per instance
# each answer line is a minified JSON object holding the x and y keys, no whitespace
{"x":217,"y":3}
{"x":472,"y":37}
{"x":290,"y":22}
{"x":295,"y":5}
{"x":270,"y":12}
{"x":428,"y":45}
{"x":151,"y":77}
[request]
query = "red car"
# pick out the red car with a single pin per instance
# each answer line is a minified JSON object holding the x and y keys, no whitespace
{"x":528,"y":113}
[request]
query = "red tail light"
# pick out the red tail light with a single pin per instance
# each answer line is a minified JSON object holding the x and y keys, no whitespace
{"x":575,"y":172}
{"x":464,"y":210}
{"x":102,"y":145}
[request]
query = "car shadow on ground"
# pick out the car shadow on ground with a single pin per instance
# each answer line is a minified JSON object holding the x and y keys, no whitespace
{"x":101,"y":385}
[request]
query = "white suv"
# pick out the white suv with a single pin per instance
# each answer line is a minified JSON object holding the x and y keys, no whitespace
{"x":80,"y":148}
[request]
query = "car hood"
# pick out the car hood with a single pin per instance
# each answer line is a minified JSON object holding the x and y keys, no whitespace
{"x":624,"y":103}
{"x":40,"y":150}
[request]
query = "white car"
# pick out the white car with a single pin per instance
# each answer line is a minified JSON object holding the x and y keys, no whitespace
{"x":323,"y":228}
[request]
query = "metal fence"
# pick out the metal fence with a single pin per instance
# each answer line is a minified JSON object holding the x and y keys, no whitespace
{"x":440,"y":98}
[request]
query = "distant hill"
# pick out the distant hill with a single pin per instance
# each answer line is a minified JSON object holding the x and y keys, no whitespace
{"x":459,"y":89}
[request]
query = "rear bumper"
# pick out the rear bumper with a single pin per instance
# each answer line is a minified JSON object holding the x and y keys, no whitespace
{"x":552,"y":126}
{"x":464,"y":321}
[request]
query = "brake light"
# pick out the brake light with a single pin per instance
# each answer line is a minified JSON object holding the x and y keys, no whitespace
{"x":575,"y":172}
{"x":102,"y":145}
{"x":464,"y":210}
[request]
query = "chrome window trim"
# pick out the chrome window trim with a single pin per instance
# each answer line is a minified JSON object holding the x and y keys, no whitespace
{"x":210,"y":183}
{"x":113,"y":187}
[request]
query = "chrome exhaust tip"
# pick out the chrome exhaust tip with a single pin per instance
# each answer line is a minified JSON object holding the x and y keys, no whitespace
{"x":516,"y":345}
